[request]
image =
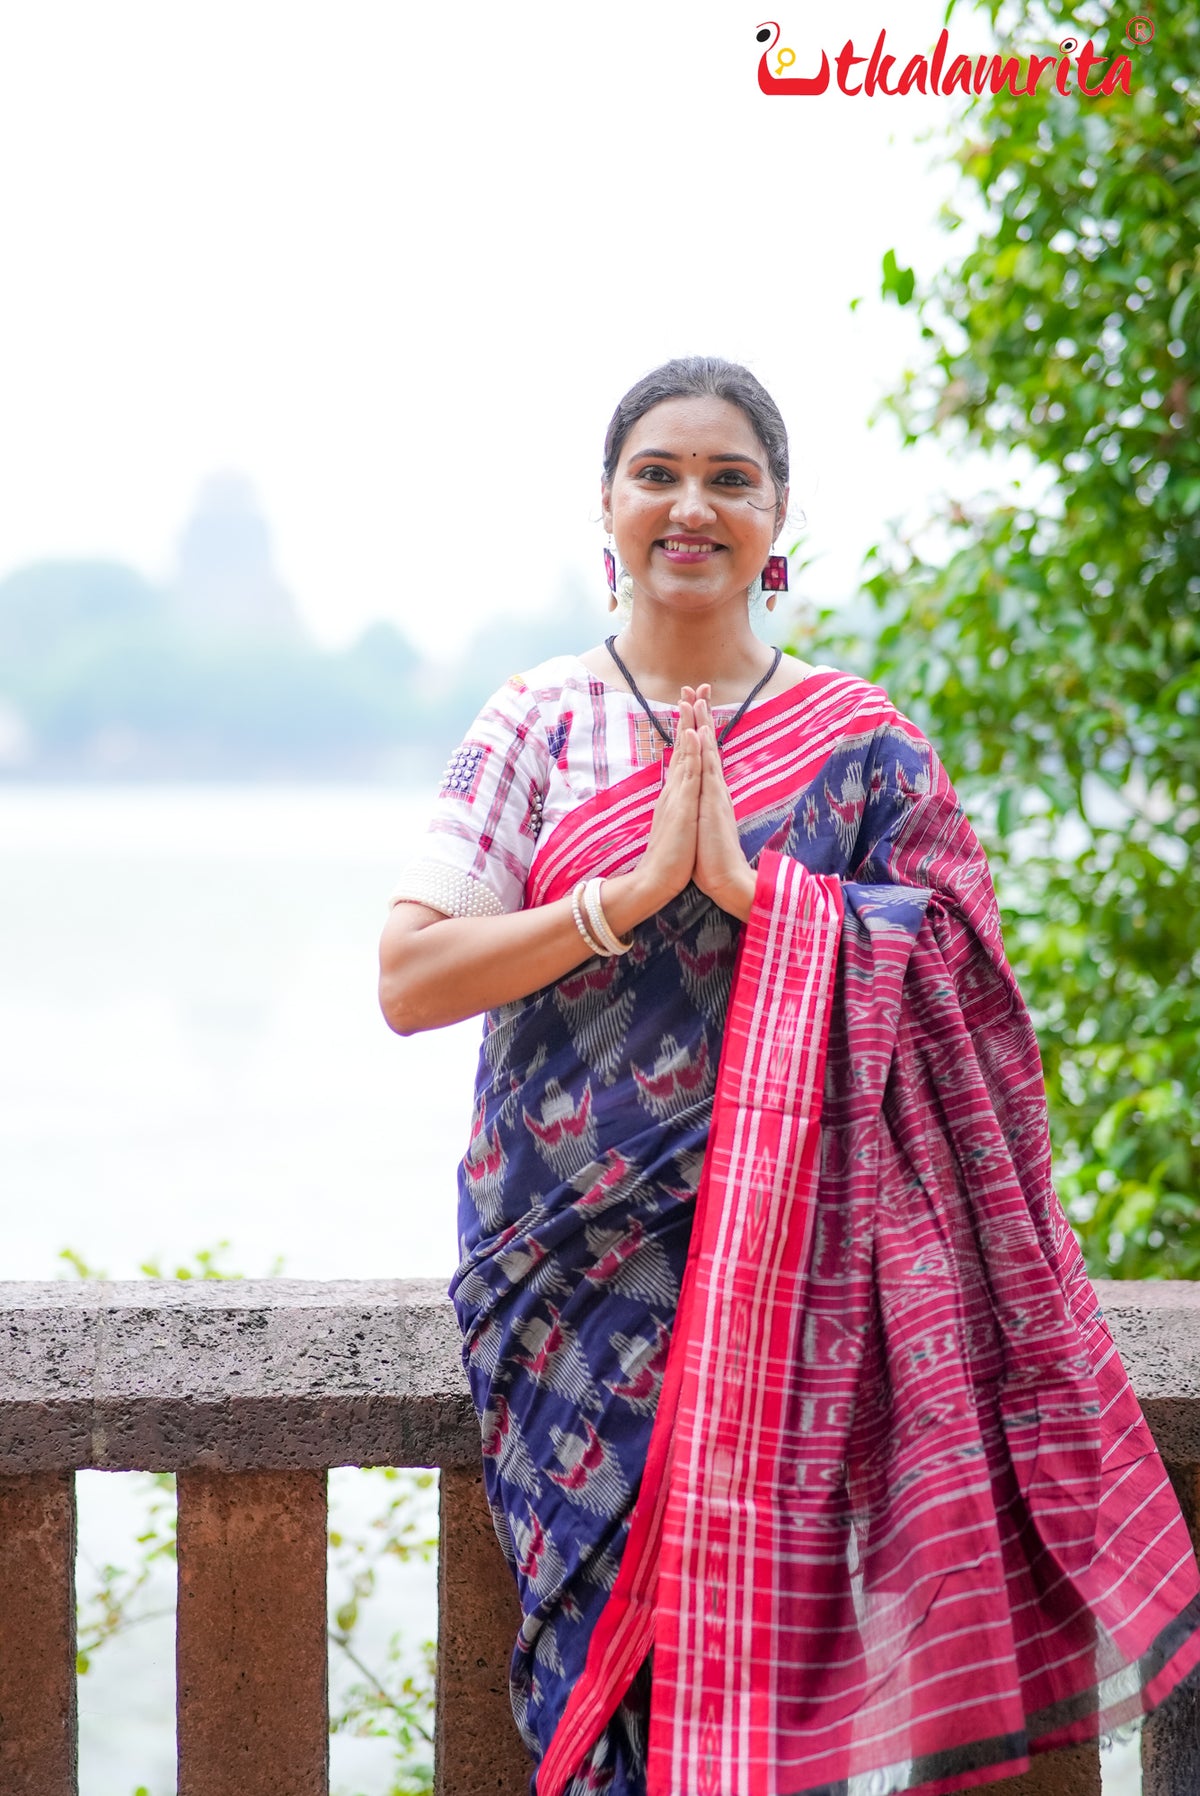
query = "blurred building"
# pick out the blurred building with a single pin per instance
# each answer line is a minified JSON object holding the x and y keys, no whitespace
{"x":225,"y":585}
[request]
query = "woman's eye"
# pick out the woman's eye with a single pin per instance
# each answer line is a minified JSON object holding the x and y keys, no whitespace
{"x":654,"y":470}
{"x":731,"y":477}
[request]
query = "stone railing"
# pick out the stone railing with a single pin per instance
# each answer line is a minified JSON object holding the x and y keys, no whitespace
{"x":250,"y":1391}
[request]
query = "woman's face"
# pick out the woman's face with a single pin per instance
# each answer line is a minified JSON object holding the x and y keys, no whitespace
{"x":692,"y":506}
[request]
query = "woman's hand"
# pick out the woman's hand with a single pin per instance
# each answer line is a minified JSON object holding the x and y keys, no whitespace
{"x":436,"y":969}
{"x":670,"y":858}
{"x":722,"y":870}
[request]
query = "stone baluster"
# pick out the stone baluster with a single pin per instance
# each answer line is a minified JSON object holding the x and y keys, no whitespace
{"x":38,"y":1754}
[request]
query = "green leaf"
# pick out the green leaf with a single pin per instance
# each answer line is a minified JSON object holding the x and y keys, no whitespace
{"x":1006,"y":811}
{"x":1179,"y":311}
{"x":898,"y":283}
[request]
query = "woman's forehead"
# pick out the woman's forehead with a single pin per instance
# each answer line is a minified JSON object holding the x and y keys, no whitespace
{"x":699,"y":424}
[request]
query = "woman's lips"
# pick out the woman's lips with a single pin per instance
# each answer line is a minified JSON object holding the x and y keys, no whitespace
{"x":694,"y":552}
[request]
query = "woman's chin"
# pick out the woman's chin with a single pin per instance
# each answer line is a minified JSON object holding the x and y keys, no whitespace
{"x":690,"y":594}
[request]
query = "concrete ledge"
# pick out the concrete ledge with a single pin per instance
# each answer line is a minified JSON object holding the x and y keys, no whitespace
{"x":278,"y":1374}
{"x":233,"y":1375}
{"x":1156,"y":1325}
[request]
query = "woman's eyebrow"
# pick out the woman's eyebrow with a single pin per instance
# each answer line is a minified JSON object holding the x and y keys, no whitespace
{"x":666,"y":455}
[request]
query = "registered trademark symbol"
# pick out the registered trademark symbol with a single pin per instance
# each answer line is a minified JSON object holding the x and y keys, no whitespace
{"x":1140,"y":29}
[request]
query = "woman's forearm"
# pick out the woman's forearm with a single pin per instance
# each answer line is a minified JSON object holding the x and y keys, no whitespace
{"x":460,"y":966}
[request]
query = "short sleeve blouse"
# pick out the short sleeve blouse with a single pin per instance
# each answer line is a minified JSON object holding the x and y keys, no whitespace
{"x":487,"y":817}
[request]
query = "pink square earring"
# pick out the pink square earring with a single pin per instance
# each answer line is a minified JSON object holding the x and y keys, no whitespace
{"x":774,"y":575}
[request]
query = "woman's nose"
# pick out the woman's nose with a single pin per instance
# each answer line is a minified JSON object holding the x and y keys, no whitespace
{"x":690,"y":505}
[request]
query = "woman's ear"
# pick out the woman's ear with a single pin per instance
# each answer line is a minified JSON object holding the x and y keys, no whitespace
{"x":781,"y":512}
{"x":606,"y":504}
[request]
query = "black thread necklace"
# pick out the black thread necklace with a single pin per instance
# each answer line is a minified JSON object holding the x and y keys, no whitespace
{"x":726,"y":728}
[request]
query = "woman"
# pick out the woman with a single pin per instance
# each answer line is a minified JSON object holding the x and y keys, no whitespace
{"x":802,"y":1429}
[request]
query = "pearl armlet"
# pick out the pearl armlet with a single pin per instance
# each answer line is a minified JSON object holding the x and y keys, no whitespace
{"x":446,"y":889}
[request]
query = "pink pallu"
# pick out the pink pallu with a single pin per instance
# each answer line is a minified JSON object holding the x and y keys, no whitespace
{"x":901,"y":1518}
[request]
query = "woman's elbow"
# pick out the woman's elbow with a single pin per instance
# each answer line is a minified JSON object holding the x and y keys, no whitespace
{"x":394,"y":1013}
{"x":397,"y":1000}
{"x":400,"y":985}
{"x":399,"y":991}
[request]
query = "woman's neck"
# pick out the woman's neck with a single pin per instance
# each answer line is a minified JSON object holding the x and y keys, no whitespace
{"x":668,"y":652}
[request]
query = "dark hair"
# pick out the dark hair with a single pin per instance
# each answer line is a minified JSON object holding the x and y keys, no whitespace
{"x":702,"y":376}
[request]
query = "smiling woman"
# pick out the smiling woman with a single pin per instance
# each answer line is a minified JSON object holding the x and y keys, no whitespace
{"x":802,"y":1430}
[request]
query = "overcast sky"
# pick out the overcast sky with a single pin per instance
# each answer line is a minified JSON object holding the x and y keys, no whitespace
{"x":396,"y":264}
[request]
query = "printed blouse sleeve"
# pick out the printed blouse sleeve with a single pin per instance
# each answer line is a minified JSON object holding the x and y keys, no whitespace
{"x":478,"y":847}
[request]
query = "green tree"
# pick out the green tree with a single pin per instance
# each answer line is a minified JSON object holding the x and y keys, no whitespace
{"x":1050,"y":643}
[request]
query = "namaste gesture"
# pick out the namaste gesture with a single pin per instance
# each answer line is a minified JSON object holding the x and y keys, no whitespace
{"x":694,"y":835}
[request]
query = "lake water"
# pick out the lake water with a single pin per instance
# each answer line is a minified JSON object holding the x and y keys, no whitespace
{"x":192,"y":1048}
{"x":191,"y":1051}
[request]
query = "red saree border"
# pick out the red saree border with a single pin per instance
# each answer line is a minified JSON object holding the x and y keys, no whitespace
{"x":769,"y":759}
{"x":718,"y":1428}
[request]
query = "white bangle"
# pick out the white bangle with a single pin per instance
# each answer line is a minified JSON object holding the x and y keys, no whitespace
{"x":581,"y":926}
{"x":601,"y":927}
